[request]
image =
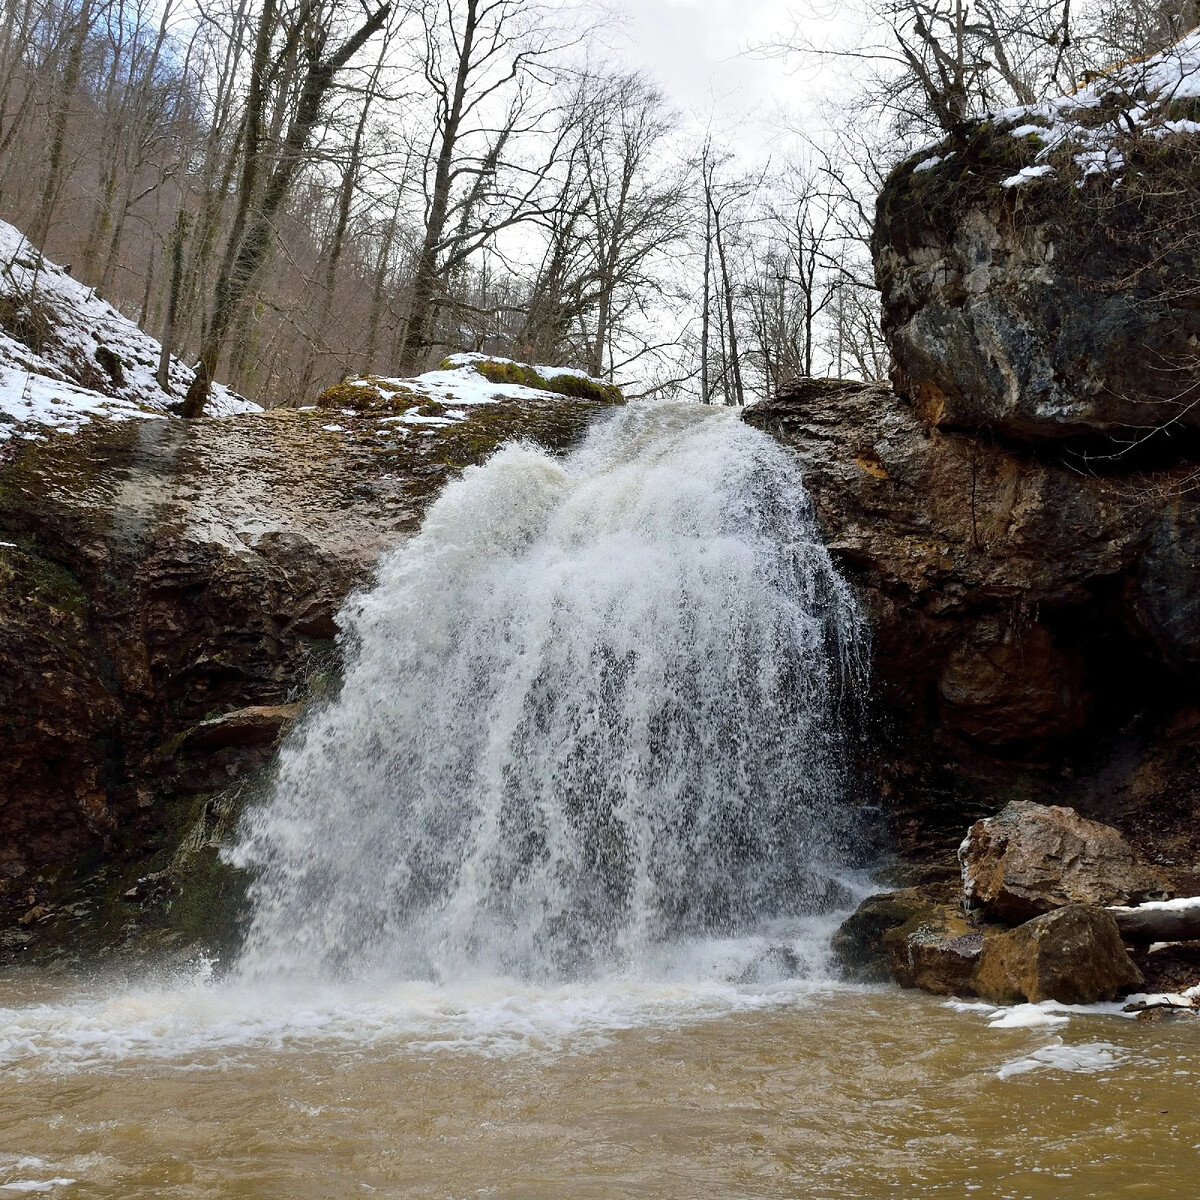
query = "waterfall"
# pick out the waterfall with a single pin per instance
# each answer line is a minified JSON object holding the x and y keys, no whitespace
{"x":593,"y":707}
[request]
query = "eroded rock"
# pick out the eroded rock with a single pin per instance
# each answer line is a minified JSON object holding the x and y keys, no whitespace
{"x":936,"y":950}
{"x":1031,"y":858}
{"x":858,"y":943}
{"x":1037,"y":291}
{"x":1073,"y":955}
{"x":258,"y":725}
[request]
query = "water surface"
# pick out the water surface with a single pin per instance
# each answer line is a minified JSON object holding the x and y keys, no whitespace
{"x":665,"y":1090}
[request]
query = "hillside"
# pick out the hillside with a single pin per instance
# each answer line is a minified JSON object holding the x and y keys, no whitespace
{"x":68,"y":357}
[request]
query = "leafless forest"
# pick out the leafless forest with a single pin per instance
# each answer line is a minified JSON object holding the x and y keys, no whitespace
{"x":287,"y":191}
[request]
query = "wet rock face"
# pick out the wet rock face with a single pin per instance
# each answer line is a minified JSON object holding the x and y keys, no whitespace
{"x":168,"y":594}
{"x":992,"y":575}
{"x":1029,"y":619}
{"x":1031,"y":858}
{"x":1073,"y":955}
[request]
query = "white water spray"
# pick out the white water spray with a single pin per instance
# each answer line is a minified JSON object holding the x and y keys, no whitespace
{"x":589,"y":712}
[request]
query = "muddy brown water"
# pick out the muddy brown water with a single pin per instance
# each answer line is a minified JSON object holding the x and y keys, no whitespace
{"x":605,"y":1092}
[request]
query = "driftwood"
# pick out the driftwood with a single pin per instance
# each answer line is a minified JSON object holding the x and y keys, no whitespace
{"x":1149,"y":923}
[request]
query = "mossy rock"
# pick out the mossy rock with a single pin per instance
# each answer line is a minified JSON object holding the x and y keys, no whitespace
{"x":937,"y":950}
{"x":495,"y":371}
{"x":581,"y":387}
{"x":371,"y":395}
{"x":858,"y":943}
{"x":576,"y":387}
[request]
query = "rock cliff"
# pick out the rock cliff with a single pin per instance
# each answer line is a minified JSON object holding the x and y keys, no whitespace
{"x":168,"y":596}
{"x":1020,"y":509}
{"x":1038,"y":269}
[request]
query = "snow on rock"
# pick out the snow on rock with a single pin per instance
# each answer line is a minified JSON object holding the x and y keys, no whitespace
{"x":1136,"y":98}
{"x":1025,"y":174}
{"x":67,"y":356}
{"x":460,"y":381}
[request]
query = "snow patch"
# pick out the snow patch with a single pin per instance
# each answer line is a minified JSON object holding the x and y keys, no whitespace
{"x":1138,"y":94}
{"x":1180,"y":904}
{"x":1025,"y":174}
{"x":84,"y":359}
{"x":457,"y":382}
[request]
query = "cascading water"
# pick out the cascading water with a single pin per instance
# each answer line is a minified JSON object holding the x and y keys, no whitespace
{"x":590,"y":710}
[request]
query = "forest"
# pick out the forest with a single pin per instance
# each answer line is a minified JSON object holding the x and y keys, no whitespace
{"x":285,"y":192}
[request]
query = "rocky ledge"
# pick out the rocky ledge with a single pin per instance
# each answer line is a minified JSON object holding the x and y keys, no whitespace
{"x":1019,"y":511}
{"x":169,"y":594}
{"x":1036,"y":628}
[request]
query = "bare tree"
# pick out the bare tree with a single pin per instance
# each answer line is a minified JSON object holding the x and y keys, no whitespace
{"x":488,"y":64}
{"x":306,"y":37}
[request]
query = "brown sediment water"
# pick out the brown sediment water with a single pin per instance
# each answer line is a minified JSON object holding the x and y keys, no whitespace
{"x":598,"y":1091}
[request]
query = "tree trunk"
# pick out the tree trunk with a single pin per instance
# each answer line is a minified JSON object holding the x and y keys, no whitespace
{"x":249,"y":254}
{"x":739,"y":394}
{"x":57,"y":134}
{"x":174,"y":288}
{"x":1146,"y":924}
{"x":705,"y":393}
{"x":425,"y":281}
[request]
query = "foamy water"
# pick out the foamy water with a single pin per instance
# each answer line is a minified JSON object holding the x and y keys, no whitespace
{"x":595,"y":708}
{"x":197,"y":1021}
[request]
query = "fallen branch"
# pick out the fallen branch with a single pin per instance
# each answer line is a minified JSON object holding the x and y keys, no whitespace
{"x":1160,"y":921}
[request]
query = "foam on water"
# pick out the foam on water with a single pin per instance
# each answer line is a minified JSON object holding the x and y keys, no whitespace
{"x":205,"y":1023}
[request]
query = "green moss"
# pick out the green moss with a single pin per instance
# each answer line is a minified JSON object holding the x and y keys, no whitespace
{"x":510,"y":372}
{"x":578,"y":387}
{"x":371,"y":395}
{"x":36,"y":580}
{"x":582,"y":388}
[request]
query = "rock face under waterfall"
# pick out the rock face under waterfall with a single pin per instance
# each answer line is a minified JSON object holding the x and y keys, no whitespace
{"x":168,"y":592}
{"x":1030,"y":632}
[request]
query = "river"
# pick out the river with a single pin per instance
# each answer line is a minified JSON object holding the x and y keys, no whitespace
{"x":795,"y":1090}
{"x":541,"y":900}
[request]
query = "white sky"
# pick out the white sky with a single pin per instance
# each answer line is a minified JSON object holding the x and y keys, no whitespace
{"x":697,"y":50}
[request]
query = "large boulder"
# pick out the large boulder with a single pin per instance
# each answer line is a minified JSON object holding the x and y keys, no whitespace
{"x":917,"y":937}
{"x":1073,"y":955}
{"x":1036,"y":268}
{"x":937,"y":951}
{"x":1031,"y":858}
{"x":858,"y":943}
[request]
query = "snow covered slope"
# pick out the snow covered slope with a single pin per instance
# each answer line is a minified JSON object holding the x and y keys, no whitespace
{"x":66,"y":356}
